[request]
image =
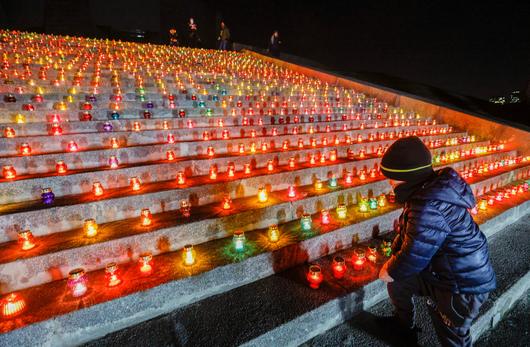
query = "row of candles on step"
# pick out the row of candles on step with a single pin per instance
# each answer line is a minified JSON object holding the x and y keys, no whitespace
{"x":339,"y":268}
{"x":248,"y":101}
{"x":500,"y":195}
{"x":306,"y":107}
{"x":9,"y":172}
{"x":48,"y":197}
{"x":77,"y":283}
{"x":56,"y":130}
{"x":27,"y":241}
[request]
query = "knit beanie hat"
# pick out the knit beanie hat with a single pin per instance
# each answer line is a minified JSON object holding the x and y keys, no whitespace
{"x":407,"y":159}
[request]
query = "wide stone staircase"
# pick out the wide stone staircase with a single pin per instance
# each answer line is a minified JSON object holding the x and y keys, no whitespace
{"x":232,"y":197}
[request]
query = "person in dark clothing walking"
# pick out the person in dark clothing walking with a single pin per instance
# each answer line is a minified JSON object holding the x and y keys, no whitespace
{"x":193,"y":34}
{"x":439,"y":251}
{"x":274,"y":44}
{"x":224,"y":37}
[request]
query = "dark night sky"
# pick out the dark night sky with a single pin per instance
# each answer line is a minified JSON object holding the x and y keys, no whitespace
{"x":475,"y":48}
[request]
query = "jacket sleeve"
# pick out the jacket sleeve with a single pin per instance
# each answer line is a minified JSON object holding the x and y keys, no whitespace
{"x":424,"y":233}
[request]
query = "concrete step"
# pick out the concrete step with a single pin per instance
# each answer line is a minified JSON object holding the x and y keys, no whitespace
{"x":309,"y":312}
{"x":27,"y":187}
{"x":99,"y":138}
{"x":69,"y":212}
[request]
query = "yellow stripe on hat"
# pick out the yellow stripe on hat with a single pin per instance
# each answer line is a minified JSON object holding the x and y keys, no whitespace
{"x":405,"y":170}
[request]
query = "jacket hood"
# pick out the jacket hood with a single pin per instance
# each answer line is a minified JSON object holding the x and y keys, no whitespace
{"x":447,"y":186}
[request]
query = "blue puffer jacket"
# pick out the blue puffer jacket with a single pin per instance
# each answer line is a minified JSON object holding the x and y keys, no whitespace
{"x":439,"y":239}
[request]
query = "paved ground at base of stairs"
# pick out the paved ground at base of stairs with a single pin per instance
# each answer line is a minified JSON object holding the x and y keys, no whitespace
{"x":362,"y":330}
{"x":513,"y":330}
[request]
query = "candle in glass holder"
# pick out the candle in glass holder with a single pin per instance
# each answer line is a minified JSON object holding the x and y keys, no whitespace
{"x":12,"y":305}
{"x":47,"y":196}
{"x":291,"y":192}
{"x":270,"y":166}
{"x":372,"y":202}
{"x":170,"y":155}
{"x":61,"y":167}
{"x":362,"y":175}
{"x":333,"y":155}
{"x":306,"y":222}
{"x":77,"y":282}
{"x":262,"y":195}
{"x":97,"y":188}
{"x":114,"y":142}
{"x":342,"y":211}
{"x":145,"y":262}
{"x":213,"y":172}
{"x":338,"y":267}
{"x":239,"y":240}
{"x":56,"y":129}
{"x":9,"y":132}
{"x":324,"y":217}
{"x":26,"y":240}
{"x":72,"y":146}
{"x":332,"y":182}
{"x":314,"y":276}
{"x":386,"y":247}
{"x":181,"y":179}
{"x":113,"y":162}
{"x":247,"y":169}
{"x":318,"y":184}
{"x":273,"y":233}
{"x":349,"y":178}
{"x":363,"y":205}
{"x":210,"y":151}
{"x":90,"y":227}
{"x":292,"y":163}
{"x":227,"y":203}
{"x":135,"y":183}
{"x":372,"y":253}
{"x":25,"y":149}
{"x":188,"y":255}
{"x":231,"y":170}
{"x":146,"y":217}
{"x":185,"y":208}
{"x":381,"y":200}
{"x":112,"y":275}
{"x":358,"y":259}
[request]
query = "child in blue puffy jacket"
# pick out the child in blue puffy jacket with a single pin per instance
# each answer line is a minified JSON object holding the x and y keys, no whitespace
{"x":439,"y":251}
